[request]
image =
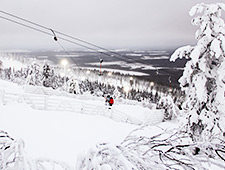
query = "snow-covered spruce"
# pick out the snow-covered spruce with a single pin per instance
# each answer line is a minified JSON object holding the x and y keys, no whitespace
{"x":203,"y":79}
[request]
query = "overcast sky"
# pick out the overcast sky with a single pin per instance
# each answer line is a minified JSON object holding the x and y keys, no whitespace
{"x":140,"y":24}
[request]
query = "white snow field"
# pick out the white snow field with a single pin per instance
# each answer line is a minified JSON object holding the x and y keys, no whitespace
{"x":50,"y":132}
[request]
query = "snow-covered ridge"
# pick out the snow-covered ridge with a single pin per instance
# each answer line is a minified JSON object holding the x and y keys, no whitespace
{"x":155,"y":58}
{"x":132,"y":66}
{"x":134,"y":73}
{"x":67,"y":56}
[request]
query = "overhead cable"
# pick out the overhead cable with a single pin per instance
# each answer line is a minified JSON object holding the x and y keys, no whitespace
{"x":74,"y":38}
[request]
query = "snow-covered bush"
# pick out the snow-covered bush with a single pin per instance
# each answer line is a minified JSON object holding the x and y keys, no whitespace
{"x":12,"y":155}
{"x":203,"y":79}
{"x":46,"y":164}
{"x":163,"y":149}
{"x":166,"y":147}
{"x":110,"y":157}
{"x":170,"y":109}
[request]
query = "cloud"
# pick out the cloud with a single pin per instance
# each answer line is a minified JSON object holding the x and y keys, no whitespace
{"x":111,"y":23}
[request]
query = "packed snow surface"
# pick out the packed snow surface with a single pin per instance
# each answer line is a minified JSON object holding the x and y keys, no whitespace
{"x":62,"y":135}
{"x":59,"y":135}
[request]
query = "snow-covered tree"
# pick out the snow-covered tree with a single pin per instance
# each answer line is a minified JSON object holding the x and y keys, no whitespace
{"x":203,"y":78}
{"x":116,"y":93}
{"x":170,"y":109}
{"x":34,"y":74}
{"x":7,"y":73}
{"x":73,"y":86}
{"x":1,"y":68}
{"x":49,"y":77}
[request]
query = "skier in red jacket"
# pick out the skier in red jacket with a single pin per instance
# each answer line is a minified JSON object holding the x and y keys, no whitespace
{"x":111,"y":101}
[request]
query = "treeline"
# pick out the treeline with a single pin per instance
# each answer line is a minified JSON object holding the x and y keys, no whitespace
{"x":81,"y":81}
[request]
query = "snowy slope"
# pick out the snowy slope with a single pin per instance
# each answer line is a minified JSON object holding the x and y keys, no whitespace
{"x":59,"y":135}
{"x":62,"y":135}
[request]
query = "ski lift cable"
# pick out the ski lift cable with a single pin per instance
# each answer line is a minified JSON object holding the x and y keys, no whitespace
{"x":77,"y":39}
{"x":71,"y":58}
{"x":44,"y":32}
{"x":63,"y":48}
{"x":47,"y":33}
{"x":66,"y":35}
{"x":63,"y":38}
{"x":55,"y":38}
{"x":102,"y":48}
{"x":19,"y":23}
{"x":44,"y":27}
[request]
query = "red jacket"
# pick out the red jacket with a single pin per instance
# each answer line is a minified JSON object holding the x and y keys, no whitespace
{"x":111,"y":101}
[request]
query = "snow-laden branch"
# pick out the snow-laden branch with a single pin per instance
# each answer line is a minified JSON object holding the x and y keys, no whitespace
{"x":166,"y":149}
{"x":182,"y":52}
{"x":46,"y":164}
